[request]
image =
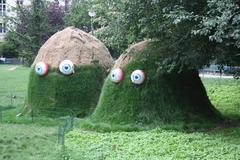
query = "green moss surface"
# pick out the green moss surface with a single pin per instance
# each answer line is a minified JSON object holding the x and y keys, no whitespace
{"x":164,"y":97}
{"x":57,"y":95}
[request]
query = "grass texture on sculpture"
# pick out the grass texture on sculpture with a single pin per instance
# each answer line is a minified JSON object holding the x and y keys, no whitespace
{"x":140,"y":92}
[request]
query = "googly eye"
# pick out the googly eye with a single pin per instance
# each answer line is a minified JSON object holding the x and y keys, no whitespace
{"x":137,"y":77}
{"x":41,"y":68}
{"x":116,"y":75}
{"x":66,"y":67}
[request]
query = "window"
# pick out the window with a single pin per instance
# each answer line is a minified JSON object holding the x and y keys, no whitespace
{"x":2,"y":27}
{"x":2,"y":7}
{"x":19,"y":2}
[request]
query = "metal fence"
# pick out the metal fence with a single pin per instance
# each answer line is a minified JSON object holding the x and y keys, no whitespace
{"x":62,"y":130}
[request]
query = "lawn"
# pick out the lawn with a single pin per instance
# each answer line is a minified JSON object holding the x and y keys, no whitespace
{"x":28,"y":142}
{"x":225,"y":95}
{"x":20,"y":139}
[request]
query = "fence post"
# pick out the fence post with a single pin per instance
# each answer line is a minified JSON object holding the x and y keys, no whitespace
{"x":32,"y":114}
{"x":61,"y":140}
{"x":63,"y":145}
{"x":72,"y":121}
{"x":11,"y":99}
{"x":1,"y":115}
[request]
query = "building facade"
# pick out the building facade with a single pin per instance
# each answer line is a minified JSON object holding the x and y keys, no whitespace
{"x":6,"y":10}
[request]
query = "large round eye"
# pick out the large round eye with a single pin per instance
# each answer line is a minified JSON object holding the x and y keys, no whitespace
{"x":138,"y":77}
{"x":117,"y":75}
{"x":41,"y":68}
{"x":66,"y":67}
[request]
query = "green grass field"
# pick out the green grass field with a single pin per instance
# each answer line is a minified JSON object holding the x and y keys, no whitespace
{"x":28,"y":142}
{"x":20,"y":139}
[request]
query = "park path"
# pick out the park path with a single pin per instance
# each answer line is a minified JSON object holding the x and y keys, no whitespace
{"x":13,"y":68}
{"x":214,"y":76}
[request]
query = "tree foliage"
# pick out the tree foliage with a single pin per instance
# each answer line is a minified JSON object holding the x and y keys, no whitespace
{"x":201,"y":31}
{"x":9,"y":48}
{"x":32,"y":26}
{"x":106,"y":24}
{"x":78,"y":15}
{"x":148,"y":19}
{"x":219,"y":23}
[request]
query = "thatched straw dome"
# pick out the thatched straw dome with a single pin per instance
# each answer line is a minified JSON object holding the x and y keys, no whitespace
{"x":75,"y":45}
{"x":127,"y":56}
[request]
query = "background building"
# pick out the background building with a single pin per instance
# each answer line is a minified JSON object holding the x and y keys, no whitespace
{"x":6,"y":10}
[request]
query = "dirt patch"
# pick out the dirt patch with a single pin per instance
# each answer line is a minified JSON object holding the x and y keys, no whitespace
{"x":75,"y":45}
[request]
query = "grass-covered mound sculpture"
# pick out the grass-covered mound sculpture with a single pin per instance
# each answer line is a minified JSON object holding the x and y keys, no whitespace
{"x":140,"y":91}
{"x":67,"y":74}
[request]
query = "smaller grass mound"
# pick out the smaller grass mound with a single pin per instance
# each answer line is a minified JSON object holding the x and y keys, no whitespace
{"x":58,"y":95}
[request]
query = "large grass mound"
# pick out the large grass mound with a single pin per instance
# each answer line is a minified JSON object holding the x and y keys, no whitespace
{"x":59,"y":95}
{"x":164,"y":97}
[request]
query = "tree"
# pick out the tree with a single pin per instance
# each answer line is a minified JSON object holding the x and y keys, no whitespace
{"x":220,"y":23}
{"x":33,"y":25}
{"x":107,"y":22}
{"x":55,"y":13}
{"x":147,"y":19}
{"x":9,"y":47}
{"x":78,"y":15}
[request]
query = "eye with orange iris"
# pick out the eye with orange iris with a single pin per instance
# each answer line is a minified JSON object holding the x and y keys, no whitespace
{"x":41,"y":68}
{"x":116,"y":75}
{"x":137,"y":77}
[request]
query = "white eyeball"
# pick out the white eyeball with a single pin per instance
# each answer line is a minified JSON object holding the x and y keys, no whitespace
{"x":137,"y":77}
{"x":66,"y":67}
{"x":116,"y":75}
{"x":41,"y":68}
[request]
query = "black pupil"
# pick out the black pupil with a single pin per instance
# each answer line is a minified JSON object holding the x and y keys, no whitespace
{"x":66,"y":67}
{"x":113,"y":75}
{"x":136,"y":77}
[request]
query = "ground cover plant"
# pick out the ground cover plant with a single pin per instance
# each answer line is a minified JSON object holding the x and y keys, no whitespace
{"x":154,"y":144}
